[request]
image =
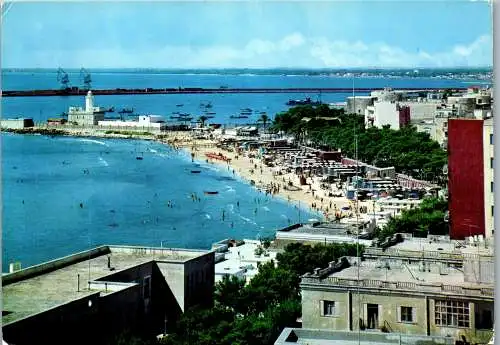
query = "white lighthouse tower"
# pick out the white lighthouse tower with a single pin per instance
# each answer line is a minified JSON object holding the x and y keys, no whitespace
{"x":89,"y":103}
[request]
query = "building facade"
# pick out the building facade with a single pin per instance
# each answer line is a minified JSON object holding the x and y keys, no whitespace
{"x":376,"y":295}
{"x":470,"y":177}
{"x":387,"y":114}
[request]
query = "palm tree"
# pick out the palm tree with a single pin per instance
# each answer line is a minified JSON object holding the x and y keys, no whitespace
{"x":202,"y":120}
{"x":264,"y":119}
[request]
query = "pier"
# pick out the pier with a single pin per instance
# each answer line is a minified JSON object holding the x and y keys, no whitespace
{"x":195,"y":90}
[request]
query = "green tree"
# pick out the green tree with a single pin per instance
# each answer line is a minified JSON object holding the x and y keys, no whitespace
{"x":202,"y":119}
{"x":264,"y":119}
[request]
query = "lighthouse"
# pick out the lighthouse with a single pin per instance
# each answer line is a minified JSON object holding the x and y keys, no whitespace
{"x":89,"y":103}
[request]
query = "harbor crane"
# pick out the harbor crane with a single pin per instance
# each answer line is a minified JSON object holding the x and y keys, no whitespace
{"x":63,"y":78}
{"x":85,"y":77}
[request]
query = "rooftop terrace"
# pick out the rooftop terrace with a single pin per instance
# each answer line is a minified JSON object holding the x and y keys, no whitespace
{"x":445,"y":246}
{"x":397,"y":275}
{"x":45,"y":286}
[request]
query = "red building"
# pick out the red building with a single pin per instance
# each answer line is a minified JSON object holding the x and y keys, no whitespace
{"x":466,"y":178}
{"x":404,"y":116}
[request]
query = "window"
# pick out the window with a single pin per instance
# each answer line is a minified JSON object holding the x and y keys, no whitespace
{"x":492,"y":186}
{"x":491,"y":139}
{"x":406,"y":314}
{"x":451,"y":313}
{"x":491,"y":163}
{"x":492,"y":210}
{"x":328,"y":308}
{"x":147,"y":287}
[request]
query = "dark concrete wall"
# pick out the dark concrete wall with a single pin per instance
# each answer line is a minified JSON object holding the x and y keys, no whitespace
{"x":71,"y":323}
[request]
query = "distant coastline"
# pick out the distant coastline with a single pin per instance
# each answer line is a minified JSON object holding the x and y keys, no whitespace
{"x":482,"y":73}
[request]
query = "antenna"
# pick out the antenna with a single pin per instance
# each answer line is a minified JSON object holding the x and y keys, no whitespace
{"x":356,"y":195}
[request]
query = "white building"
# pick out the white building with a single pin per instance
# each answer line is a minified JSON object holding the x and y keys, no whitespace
{"x":240,"y":260}
{"x":88,"y":116}
{"x":144,"y":122}
{"x":382,"y":114}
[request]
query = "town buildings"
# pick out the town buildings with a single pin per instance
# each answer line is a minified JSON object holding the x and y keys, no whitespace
{"x":470,"y":175}
{"x":89,"y":297}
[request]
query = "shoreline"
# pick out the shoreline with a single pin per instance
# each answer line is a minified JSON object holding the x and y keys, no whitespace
{"x":249,"y":169}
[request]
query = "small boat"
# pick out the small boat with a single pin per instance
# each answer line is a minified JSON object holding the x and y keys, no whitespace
{"x":248,"y":110}
{"x":210,"y":112}
{"x":139,"y":158}
{"x":110,"y":110}
{"x":179,"y":105}
{"x":126,"y":111}
{"x":306,"y":101}
{"x":238,"y":117}
{"x":211,"y":192}
{"x":195,"y":171}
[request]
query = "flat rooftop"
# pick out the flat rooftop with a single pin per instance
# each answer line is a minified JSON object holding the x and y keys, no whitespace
{"x":444,"y":245}
{"x":48,"y":289}
{"x":400,"y":272}
{"x":324,"y":229}
{"x":326,"y":337}
{"x":241,"y":258}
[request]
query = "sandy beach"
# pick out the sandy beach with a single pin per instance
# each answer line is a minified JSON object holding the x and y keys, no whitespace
{"x":309,"y":196}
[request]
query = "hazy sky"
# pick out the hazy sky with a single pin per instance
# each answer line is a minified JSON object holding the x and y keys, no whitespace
{"x":254,"y":34}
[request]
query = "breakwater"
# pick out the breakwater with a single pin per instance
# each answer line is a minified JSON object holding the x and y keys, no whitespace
{"x":196,"y":90}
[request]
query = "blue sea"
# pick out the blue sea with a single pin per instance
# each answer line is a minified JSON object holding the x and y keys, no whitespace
{"x":63,"y":194}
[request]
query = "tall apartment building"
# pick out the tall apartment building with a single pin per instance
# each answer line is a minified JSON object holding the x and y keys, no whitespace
{"x":470,"y":177}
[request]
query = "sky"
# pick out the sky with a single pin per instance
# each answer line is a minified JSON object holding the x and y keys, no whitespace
{"x":247,"y":34}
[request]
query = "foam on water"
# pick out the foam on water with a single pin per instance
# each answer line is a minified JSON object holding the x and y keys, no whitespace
{"x":85,"y":140}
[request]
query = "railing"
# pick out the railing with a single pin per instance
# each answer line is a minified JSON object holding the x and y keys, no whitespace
{"x":417,"y":287}
{"x":416,"y":254}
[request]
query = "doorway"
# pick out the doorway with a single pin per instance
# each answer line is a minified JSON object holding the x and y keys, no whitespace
{"x":372,"y":314}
